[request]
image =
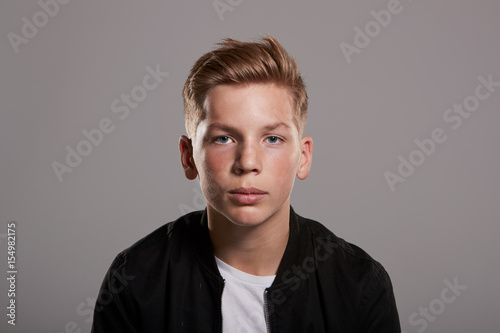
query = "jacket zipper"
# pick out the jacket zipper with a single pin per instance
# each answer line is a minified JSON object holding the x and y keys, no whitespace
{"x":222,"y":291}
{"x":266,"y":312}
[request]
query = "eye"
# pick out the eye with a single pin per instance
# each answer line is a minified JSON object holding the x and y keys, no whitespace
{"x":273,"y":139}
{"x":222,"y":139}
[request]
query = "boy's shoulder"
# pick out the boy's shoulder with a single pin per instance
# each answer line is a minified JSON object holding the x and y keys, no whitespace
{"x":341,"y":253}
{"x":158,"y":243}
{"x":166,"y":232}
{"x":320,"y":233}
{"x":339,"y":263}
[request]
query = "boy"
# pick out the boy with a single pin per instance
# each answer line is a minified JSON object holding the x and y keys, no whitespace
{"x":248,"y":262}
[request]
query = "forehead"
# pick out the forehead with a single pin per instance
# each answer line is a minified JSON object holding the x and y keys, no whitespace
{"x":252,"y":103}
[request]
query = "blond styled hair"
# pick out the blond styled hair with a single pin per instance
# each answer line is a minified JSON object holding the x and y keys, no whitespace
{"x":235,"y":63}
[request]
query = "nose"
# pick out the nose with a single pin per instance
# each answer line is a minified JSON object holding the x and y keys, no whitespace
{"x":248,"y":159}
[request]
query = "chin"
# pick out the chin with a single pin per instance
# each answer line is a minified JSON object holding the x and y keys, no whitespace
{"x":249,"y":216}
{"x":245,"y":216}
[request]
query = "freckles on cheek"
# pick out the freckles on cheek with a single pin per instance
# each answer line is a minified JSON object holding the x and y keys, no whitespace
{"x":214,"y":162}
{"x":213,"y":172}
{"x":285,"y":167}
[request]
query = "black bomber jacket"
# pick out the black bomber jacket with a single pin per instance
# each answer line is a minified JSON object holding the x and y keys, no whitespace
{"x":169,"y":282}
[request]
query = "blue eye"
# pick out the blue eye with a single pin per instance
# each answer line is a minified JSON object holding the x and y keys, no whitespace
{"x":273,"y":139}
{"x":222,"y":139}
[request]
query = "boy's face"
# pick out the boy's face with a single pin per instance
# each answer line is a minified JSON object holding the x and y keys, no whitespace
{"x":247,"y":152}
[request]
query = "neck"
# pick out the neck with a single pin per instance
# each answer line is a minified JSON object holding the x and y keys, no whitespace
{"x":254,"y":249}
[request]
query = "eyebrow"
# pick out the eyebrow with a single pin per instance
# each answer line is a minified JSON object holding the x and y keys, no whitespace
{"x":224,"y":127}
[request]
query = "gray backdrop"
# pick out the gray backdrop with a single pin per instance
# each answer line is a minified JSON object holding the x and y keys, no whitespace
{"x":404,"y":113}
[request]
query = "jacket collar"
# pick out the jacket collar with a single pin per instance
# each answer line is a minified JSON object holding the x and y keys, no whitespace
{"x":296,"y":249}
{"x":297,"y":246}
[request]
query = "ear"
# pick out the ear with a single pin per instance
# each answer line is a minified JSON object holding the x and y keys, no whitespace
{"x":187,"y":161}
{"x":306,"y":144}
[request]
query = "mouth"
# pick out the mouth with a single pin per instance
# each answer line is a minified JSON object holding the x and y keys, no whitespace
{"x":247,"y":195}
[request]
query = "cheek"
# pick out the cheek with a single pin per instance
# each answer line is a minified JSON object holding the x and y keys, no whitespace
{"x":212,"y":170}
{"x":284,"y":168}
{"x":216,"y":163}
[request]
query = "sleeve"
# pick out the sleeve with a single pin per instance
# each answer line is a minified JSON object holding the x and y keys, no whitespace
{"x":114,"y":308}
{"x":380,"y":313}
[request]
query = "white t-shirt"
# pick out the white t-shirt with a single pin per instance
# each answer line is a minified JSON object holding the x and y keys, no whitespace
{"x":243,"y":300}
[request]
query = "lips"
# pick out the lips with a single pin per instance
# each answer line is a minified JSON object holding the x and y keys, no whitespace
{"x":247,"y":195}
